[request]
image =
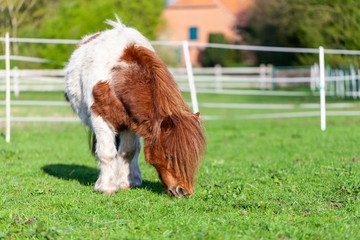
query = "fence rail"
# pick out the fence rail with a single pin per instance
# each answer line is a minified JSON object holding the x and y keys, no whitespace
{"x":205,"y":80}
{"x":217,"y":79}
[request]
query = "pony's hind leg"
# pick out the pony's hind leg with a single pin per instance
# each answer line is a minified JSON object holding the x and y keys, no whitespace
{"x":135,"y":173}
{"x":128,"y":152}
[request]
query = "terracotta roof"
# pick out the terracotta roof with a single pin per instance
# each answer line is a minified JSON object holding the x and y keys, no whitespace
{"x":232,"y":6}
{"x":192,"y":3}
{"x":236,"y":6}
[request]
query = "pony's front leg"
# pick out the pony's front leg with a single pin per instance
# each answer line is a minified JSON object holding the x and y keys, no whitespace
{"x":108,"y":181}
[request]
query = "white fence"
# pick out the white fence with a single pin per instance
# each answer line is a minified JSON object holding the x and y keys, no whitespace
{"x":220,"y":78}
{"x":205,"y":80}
{"x":35,"y":80}
{"x":217,"y":79}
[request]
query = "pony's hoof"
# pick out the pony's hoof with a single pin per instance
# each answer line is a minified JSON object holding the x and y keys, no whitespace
{"x":105,"y":188}
{"x":178,"y":192}
{"x":108,"y":192}
{"x":125,"y":185}
{"x":136,"y":183}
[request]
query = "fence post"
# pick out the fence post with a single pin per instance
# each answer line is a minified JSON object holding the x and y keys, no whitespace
{"x":332,"y":85}
{"x":337,"y":84}
{"x":7,"y":77}
{"x":322,"y":88}
{"x":313,"y":77}
{"x":272,"y":75}
{"x":218,"y":77}
{"x":190,"y":77}
{"x":16,"y":81}
{"x":342,"y":83}
{"x":353,"y":81}
{"x":263,"y":76}
{"x":346,"y":83}
{"x":358,"y":82}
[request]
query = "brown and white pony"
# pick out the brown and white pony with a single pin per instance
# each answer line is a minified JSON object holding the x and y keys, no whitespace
{"x":121,"y":90}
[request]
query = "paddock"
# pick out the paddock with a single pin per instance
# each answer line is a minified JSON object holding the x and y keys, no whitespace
{"x":259,"y":178}
{"x":269,"y":171}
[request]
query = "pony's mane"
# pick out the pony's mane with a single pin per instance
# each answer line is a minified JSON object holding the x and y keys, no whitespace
{"x":185,"y":141}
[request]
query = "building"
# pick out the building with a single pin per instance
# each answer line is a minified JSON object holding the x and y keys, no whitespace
{"x":194,"y":20}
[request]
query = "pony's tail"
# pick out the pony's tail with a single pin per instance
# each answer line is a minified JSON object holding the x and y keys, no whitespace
{"x":117,"y":24}
{"x":66,"y":97}
{"x":92,"y":142}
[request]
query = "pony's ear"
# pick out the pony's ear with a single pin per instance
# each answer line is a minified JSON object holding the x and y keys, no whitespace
{"x":197,"y":116}
{"x":167,"y":124}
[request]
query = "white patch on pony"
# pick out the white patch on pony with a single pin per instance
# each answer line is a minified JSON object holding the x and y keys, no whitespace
{"x":89,"y":64}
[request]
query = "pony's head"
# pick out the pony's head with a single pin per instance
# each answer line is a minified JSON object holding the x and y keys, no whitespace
{"x":176,"y":153}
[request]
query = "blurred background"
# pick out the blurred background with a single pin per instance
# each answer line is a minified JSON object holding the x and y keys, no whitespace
{"x":297,"y":23}
{"x":231,"y":80}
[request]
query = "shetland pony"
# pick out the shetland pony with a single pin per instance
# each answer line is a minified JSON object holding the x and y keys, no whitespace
{"x":121,"y":90}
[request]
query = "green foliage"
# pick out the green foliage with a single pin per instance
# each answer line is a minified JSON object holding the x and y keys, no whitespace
{"x":214,"y":56}
{"x":14,"y":15}
{"x":299,"y":23}
{"x":68,"y":19}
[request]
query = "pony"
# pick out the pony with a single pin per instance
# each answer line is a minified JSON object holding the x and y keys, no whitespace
{"x":121,"y":90}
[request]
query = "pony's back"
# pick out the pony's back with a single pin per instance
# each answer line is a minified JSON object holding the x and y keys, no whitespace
{"x":94,"y":60}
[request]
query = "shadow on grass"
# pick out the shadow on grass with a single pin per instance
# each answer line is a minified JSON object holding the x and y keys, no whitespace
{"x":155,"y":187}
{"x":87,"y":176}
{"x":83,"y":174}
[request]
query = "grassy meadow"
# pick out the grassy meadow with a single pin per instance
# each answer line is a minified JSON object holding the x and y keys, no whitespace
{"x":259,"y":179}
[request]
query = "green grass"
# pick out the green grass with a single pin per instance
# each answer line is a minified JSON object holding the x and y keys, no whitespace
{"x":269,"y":178}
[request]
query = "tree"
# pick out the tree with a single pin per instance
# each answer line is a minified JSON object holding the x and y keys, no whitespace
{"x":223,"y":57}
{"x":261,"y":26}
{"x":72,"y":19}
{"x":17,"y":13}
{"x":304,"y":23}
{"x":213,"y":56}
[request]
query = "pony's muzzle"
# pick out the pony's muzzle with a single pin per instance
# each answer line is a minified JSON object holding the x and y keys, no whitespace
{"x":178,"y":192}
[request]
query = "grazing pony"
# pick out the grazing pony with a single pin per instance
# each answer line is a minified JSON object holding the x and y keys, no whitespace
{"x":121,"y":90}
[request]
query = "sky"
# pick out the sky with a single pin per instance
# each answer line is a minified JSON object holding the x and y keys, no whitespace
{"x":168,"y":2}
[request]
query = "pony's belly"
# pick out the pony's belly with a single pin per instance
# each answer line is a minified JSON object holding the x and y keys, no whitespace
{"x":73,"y":89}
